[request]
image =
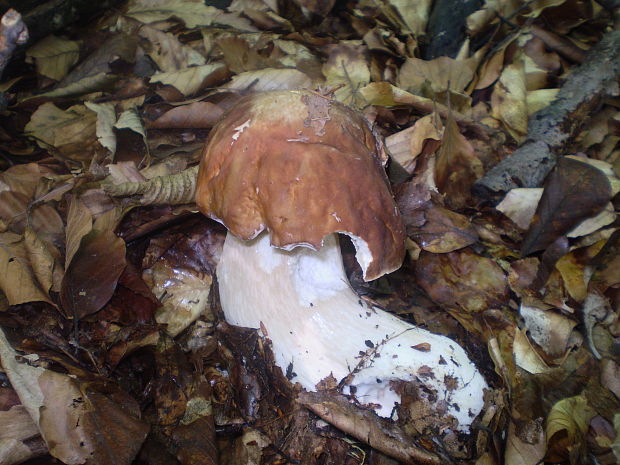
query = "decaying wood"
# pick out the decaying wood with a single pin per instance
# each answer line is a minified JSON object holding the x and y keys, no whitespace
{"x":365,"y":426}
{"x":13,"y":32}
{"x":551,"y":129}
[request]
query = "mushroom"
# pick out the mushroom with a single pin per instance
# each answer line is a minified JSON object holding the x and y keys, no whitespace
{"x":285,"y":172}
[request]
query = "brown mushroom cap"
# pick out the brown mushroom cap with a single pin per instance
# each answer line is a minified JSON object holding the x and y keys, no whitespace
{"x":301,"y":166}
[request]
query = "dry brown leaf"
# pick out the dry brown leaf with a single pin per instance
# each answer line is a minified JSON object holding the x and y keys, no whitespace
{"x":443,"y":231}
{"x":462,"y":279}
{"x":79,"y":223}
{"x":523,"y":452}
{"x":429,"y":78}
{"x":456,"y":166}
{"x":548,"y":328}
{"x":574,"y":190}
{"x":92,"y":275}
{"x":18,"y":269}
{"x":190,"y":80}
{"x":168,"y":52}
{"x":509,"y":100}
{"x":194,"y":115}
{"x":54,"y":56}
{"x":71,"y":131}
{"x":422,"y":138}
{"x":264,"y":80}
{"x":525,"y":354}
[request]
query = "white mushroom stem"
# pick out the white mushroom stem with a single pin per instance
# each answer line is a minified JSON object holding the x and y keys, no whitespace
{"x":318,"y":326}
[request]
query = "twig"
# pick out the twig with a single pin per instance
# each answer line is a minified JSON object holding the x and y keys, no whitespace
{"x":13,"y":32}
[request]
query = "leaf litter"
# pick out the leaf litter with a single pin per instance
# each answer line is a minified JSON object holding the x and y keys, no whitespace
{"x":113,"y":348}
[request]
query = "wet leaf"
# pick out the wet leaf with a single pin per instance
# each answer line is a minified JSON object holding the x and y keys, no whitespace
{"x":462,"y":280}
{"x":573,"y":191}
{"x":92,"y":275}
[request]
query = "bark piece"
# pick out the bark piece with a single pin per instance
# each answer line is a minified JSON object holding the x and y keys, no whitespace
{"x":551,"y":129}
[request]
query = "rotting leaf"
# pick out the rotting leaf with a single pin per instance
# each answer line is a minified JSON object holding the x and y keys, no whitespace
{"x":573,"y":191}
{"x":54,"y":56}
{"x":91,"y":277}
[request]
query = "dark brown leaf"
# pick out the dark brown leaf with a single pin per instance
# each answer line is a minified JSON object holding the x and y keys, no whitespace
{"x":444,"y":231}
{"x":573,"y":192}
{"x":462,"y":280}
{"x":93,"y":273}
{"x":457,"y":167}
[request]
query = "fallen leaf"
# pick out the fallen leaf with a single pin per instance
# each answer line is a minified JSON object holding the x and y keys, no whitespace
{"x":193,"y":14}
{"x":414,"y":13}
{"x":462,"y":279}
{"x":520,"y":205}
{"x":567,"y":424}
{"x":430,"y":78}
{"x":79,"y":224}
{"x":509,"y":100}
{"x":523,"y":451}
{"x":573,"y":191}
{"x":57,"y":127}
{"x":54,"y":56}
{"x":346,"y":69}
{"x":422,"y":138}
{"x":18,"y":279}
{"x":190,"y":80}
{"x":526,"y":356}
{"x":79,"y":425}
{"x":193,"y":115}
{"x":443,"y":231}
{"x":92,"y":275}
{"x":264,"y":80}
{"x":168,"y":52}
{"x":547,"y":327}
{"x":456,"y":166}
{"x":106,"y":118}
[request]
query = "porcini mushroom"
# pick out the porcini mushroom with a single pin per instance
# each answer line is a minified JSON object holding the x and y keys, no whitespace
{"x":284,"y":172}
